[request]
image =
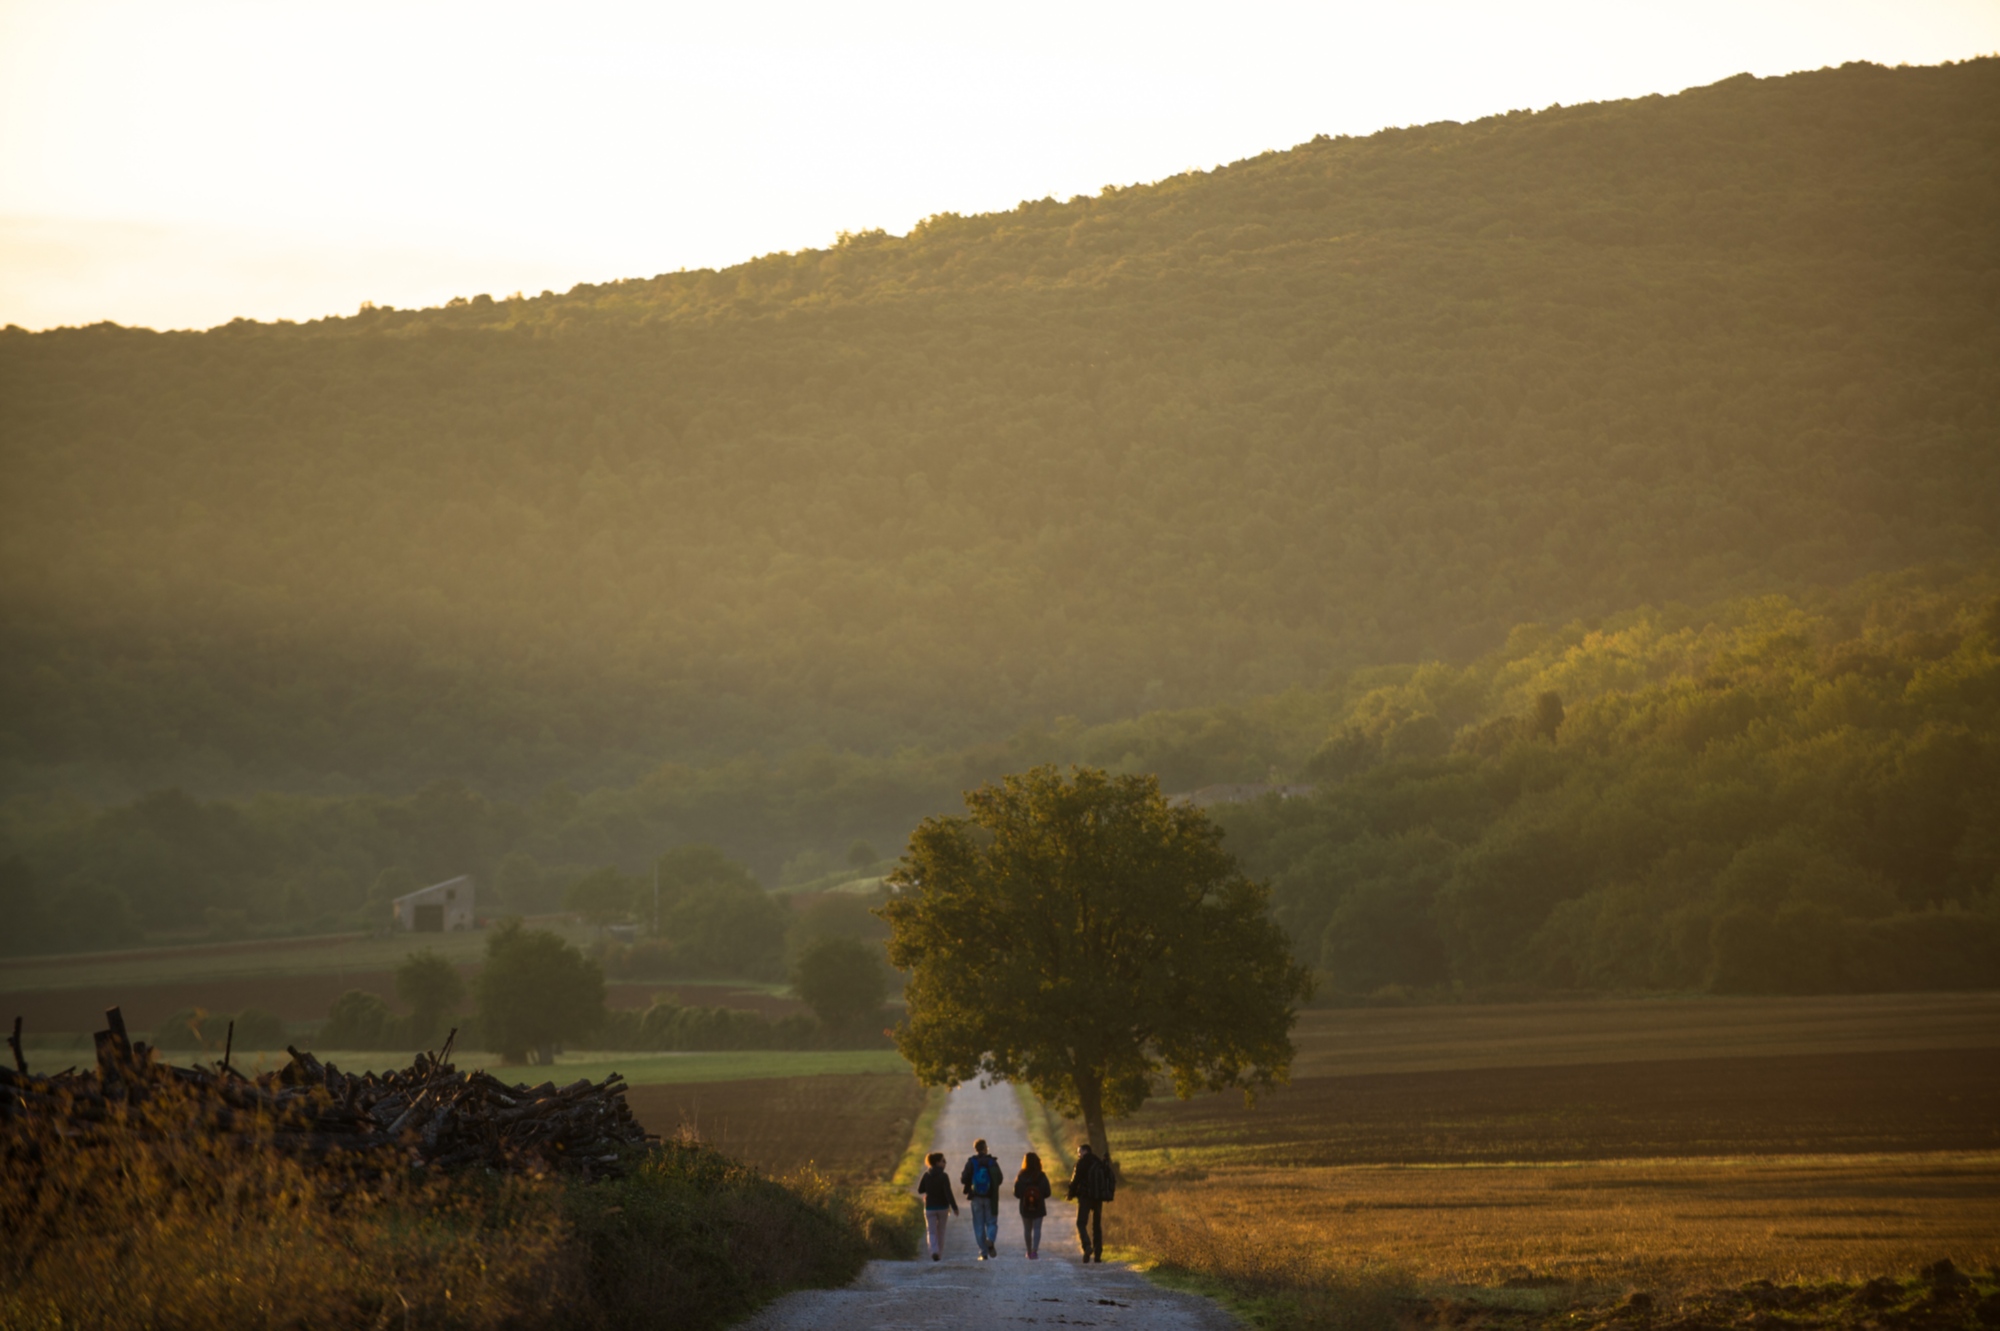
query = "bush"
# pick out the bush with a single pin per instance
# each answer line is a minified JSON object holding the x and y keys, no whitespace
{"x":536,"y":992}
{"x":202,"y":1231}
{"x":361,"y":1020}
{"x":669,"y":1027}
{"x":843,"y":980}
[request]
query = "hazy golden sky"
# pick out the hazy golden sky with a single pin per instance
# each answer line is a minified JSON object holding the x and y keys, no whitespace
{"x":177,"y":164}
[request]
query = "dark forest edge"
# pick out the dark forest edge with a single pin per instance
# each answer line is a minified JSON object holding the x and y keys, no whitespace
{"x":1767,"y":794}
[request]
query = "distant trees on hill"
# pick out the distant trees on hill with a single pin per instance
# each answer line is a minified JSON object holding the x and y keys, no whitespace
{"x":1764,"y":794}
{"x":1773,"y":801}
{"x":1365,"y":400}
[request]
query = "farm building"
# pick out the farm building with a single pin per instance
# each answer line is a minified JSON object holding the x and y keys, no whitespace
{"x":440,"y":908}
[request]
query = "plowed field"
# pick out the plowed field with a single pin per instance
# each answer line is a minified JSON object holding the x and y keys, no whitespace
{"x":850,"y":1127}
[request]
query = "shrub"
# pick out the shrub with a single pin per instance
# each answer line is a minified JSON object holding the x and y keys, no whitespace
{"x":360,"y":1020}
{"x":209,"y":1230}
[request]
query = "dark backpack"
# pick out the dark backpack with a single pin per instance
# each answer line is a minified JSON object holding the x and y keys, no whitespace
{"x":982,"y":1180}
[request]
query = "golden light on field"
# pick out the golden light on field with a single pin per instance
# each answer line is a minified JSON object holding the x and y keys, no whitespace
{"x":1650,"y":1224}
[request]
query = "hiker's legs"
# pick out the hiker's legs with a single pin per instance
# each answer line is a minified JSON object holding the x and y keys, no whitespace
{"x":934,"y":1229}
{"x":1031,"y":1233}
{"x":1090,"y":1228}
{"x":985,"y":1223}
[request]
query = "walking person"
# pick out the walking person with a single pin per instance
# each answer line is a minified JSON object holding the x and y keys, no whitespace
{"x":1091,"y":1185}
{"x":982,"y":1178}
{"x":1033,"y":1189}
{"x":939,"y":1205}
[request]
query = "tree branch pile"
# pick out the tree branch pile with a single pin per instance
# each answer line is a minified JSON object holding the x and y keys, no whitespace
{"x":429,"y":1114}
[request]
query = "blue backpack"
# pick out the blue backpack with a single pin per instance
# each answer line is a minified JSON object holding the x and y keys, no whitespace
{"x":982,"y":1181}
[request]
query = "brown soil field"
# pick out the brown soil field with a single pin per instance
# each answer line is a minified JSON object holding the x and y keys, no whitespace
{"x":302,"y":998}
{"x":1622,"y":1030}
{"x":1911,"y":1100}
{"x":852,"y":1127}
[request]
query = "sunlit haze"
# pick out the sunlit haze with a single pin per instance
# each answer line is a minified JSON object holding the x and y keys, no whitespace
{"x":180,"y":165}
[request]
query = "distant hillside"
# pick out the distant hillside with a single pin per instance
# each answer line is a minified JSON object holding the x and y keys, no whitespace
{"x":1763,"y":794}
{"x":1364,"y":400}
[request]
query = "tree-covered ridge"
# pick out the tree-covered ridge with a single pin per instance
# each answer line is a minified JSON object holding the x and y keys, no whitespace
{"x":1795,"y":793}
{"x":1363,"y":400}
{"x":1774,"y":798}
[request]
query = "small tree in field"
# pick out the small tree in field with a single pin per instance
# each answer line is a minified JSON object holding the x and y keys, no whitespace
{"x":430,"y":986}
{"x":536,"y":992}
{"x":1084,"y":937}
{"x":841,"y":980}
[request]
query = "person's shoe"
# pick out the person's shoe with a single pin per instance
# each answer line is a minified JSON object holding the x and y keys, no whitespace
{"x":934,"y":1257}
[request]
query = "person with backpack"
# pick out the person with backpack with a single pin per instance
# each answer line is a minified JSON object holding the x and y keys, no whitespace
{"x":982,"y":1178}
{"x":1032,"y":1187}
{"x":1090,"y":1187}
{"x":939,"y":1205}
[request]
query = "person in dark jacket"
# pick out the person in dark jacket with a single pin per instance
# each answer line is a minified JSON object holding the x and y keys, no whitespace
{"x":982,"y":1178}
{"x":1090,"y":1187}
{"x":939,"y":1205}
{"x":1033,"y":1189}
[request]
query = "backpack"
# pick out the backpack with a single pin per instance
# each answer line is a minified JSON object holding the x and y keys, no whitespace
{"x":1098,"y":1183}
{"x":982,"y":1180}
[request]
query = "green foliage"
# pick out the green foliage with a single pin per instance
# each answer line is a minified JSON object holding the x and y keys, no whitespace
{"x":1364,"y":400}
{"x":841,"y":979}
{"x":1769,"y":797}
{"x":604,"y":896}
{"x":1083,"y":936}
{"x":670,"y":1027}
{"x":722,"y":929}
{"x":361,"y":1020}
{"x":432,"y":989}
{"x":694,"y":1239}
{"x":536,"y":992}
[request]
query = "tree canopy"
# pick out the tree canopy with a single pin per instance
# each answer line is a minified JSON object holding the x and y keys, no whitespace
{"x":1082,"y":935}
{"x":536,"y":992}
{"x":840,"y":978}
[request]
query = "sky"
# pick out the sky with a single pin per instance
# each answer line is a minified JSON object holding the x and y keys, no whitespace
{"x":178,"y":165}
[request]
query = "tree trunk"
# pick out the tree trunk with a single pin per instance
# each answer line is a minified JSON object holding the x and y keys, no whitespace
{"x":1090,"y":1099}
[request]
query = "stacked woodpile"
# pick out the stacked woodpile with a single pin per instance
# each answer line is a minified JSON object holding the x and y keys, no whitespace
{"x":429,"y":1114}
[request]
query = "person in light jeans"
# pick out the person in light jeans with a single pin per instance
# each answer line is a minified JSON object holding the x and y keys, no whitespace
{"x":981,"y":1179}
{"x":939,"y":1205}
{"x":1033,"y":1189}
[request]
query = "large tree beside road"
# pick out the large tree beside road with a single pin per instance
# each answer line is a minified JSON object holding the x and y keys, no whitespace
{"x":1083,"y":936}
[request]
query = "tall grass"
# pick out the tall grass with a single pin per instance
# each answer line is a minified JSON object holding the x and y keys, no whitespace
{"x":146,"y":1224}
{"x":1276,"y":1282}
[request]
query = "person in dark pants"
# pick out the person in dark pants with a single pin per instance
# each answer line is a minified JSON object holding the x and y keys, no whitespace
{"x":1091,"y":1185}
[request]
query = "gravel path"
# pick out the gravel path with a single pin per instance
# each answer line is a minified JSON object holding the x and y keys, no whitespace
{"x":961,"y":1291}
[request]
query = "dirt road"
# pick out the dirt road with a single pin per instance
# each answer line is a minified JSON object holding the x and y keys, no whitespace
{"x":1012,"y":1291}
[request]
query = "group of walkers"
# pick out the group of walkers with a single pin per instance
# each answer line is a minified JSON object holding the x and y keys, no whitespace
{"x":1091,"y":1185}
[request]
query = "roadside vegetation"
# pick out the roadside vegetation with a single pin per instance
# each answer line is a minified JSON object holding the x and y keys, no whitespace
{"x":163,"y":1230}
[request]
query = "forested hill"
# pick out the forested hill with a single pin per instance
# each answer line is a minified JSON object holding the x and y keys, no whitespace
{"x":1364,"y":400}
